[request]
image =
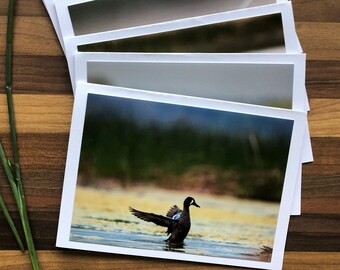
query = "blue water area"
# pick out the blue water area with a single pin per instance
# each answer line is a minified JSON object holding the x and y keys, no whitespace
{"x":138,"y":240}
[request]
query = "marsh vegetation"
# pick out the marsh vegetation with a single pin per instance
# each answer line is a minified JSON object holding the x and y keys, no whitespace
{"x":135,"y":143}
{"x":152,"y":155}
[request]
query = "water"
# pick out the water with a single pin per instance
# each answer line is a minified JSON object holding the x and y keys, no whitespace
{"x":223,"y":227}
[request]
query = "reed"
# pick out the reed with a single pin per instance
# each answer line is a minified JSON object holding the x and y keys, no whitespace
{"x":14,"y":174}
{"x":11,"y":223}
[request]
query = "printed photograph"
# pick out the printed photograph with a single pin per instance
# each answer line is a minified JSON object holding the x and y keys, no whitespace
{"x":243,"y":35}
{"x":105,"y":15}
{"x":177,"y":178}
{"x":193,"y":79}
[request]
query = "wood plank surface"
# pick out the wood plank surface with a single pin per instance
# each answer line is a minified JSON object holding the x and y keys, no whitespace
{"x":72,"y":260}
{"x":43,"y":103}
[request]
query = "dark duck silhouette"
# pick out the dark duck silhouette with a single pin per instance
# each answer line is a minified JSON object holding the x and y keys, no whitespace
{"x":177,"y":221}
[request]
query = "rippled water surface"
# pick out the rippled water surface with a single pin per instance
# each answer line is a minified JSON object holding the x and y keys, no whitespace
{"x":223,"y":226}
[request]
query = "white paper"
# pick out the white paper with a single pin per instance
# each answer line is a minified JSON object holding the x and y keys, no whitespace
{"x":89,"y":17}
{"x":292,"y":169}
{"x":121,"y":70}
{"x":129,"y":70}
{"x":50,"y":6}
{"x":292,"y":44}
{"x":286,"y":19}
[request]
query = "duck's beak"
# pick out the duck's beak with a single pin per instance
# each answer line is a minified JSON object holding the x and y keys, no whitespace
{"x":194,"y":203}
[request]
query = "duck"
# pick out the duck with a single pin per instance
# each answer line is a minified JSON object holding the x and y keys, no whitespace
{"x":176,"y":221}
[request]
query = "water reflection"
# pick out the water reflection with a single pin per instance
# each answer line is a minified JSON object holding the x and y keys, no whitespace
{"x":226,"y":227}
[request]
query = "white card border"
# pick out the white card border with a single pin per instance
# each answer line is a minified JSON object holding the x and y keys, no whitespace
{"x":66,"y":26}
{"x":298,"y":60}
{"x":73,"y":155}
{"x":300,"y":99}
{"x":292,"y":44}
{"x":50,"y":7}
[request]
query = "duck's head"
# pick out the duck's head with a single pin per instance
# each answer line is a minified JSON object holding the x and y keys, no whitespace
{"x":190,"y":201}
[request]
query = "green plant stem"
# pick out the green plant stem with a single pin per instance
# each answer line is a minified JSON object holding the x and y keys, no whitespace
{"x":11,"y":223}
{"x":18,"y":190}
{"x":9,"y":173}
{"x":10,"y":105}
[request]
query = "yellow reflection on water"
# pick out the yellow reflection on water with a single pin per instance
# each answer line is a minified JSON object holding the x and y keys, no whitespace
{"x":223,"y":219}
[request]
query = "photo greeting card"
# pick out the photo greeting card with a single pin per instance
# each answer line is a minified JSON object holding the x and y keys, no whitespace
{"x":210,"y":77}
{"x":179,"y":177}
{"x":234,"y":77}
{"x":193,"y":35}
{"x":189,"y":128}
{"x":89,"y":17}
{"x":114,"y":14}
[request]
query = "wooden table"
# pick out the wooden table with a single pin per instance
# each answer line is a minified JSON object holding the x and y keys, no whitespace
{"x":43,"y":103}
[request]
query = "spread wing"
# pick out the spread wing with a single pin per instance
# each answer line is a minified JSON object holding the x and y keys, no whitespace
{"x":157,"y":219}
{"x":174,"y":212}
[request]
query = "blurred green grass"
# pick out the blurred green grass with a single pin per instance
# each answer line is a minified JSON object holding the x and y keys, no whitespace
{"x":242,"y":35}
{"x":182,"y":157}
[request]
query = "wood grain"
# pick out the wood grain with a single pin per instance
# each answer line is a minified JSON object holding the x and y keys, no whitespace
{"x":43,"y":104}
{"x":39,"y":113}
{"x":321,"y":41}
{"x":52,"y":113}
{"x":316,"y":10}
{"x":55,"y":260}
{"x":324,"y":117}
{"x":322,"y":81}
{"x":29,"y":39}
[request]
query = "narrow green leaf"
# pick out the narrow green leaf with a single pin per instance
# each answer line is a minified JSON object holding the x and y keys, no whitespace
{"x":11,"y":224}
{"x":15,"y":177}
{"x":11,"y":167}
{"x":9,"y":173}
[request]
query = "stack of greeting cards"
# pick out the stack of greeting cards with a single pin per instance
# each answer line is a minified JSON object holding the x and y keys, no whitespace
{"x":189,"y":128}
